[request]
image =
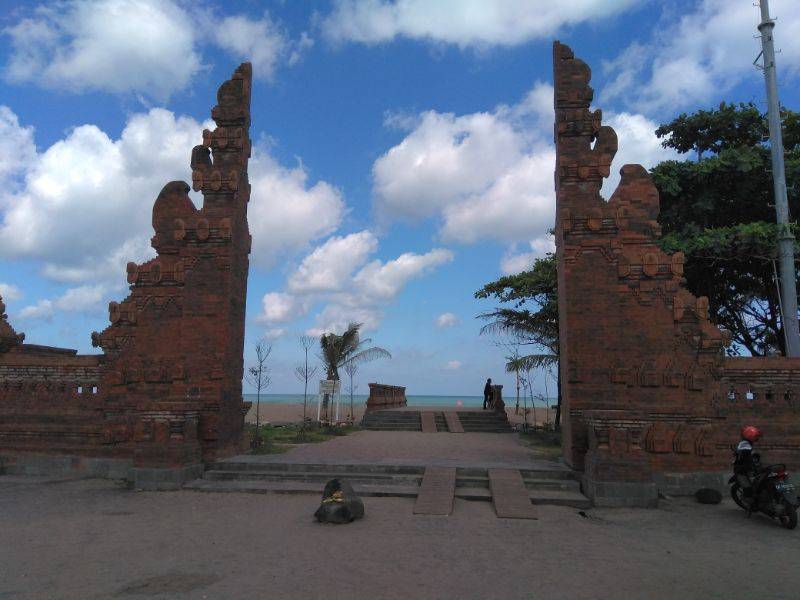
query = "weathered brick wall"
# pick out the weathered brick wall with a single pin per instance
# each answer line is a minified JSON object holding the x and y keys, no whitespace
{"x":645,"y":380}
{"x":175,"y":345}
{"x":385,"y":396}
{"x":167,"y":390}
{"x":50,"y":401}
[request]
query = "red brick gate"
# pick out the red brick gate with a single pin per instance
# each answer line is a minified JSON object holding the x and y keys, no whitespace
{"x":167,"y":392}
{"x":649,"y":399}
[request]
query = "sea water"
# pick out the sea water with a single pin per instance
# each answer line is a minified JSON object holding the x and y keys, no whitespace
{"x":469,"y":401}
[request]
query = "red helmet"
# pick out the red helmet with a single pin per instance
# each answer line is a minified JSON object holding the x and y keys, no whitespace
{"x":751,"y":434}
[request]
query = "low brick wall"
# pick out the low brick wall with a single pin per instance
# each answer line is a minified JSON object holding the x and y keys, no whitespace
{"x":50,"y":401}
{"x":385,"y":396}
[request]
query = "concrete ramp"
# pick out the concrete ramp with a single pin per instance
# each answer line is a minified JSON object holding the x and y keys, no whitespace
{"x":510,"y":496}
{"x":436,"y":492}
{"x":428,"y":420}
{"x":453,"y":422}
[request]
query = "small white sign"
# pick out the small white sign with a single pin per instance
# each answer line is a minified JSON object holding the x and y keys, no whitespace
{"x":330,"y":387}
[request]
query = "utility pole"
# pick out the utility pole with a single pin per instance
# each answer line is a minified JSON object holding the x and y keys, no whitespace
{"x":785,"y":236}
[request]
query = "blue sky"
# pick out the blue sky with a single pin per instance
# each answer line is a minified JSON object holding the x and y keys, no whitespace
{"x":403,"y":153}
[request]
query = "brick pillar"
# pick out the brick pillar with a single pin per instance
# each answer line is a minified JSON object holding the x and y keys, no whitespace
{"x":174,"y":349}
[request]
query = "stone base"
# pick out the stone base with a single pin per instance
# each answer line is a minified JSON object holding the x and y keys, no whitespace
{"x":617,"y":494}
{"x":165,"y":479}
{"x":65,"y":465}
{"x":686,"y":484}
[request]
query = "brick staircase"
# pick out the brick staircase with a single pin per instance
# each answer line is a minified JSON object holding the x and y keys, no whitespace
{"x":473,"y":421}
{"x":392,"y":420}
{"x":556,"y":486}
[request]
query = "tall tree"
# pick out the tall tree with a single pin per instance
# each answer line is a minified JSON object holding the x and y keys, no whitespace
{"x":338,"y":350}
{"x":351,"y":368}
{"x":717,"y":207}
{"x":532,"y":318}
{"x":348,"y":348}
{"x":257,"y":376}
{"x":305,"y":372}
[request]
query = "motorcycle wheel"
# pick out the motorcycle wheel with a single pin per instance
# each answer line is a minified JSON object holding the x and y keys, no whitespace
{"x":789,"y":517}
{"x":738,"y":496}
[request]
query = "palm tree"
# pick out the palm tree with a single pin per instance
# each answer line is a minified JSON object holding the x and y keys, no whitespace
{"x":526,"y":364}
{"x":339,"y":351}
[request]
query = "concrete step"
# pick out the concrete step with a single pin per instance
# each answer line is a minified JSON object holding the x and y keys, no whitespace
{"x":470,"y":481}
{"x":312,"y":477}
{"x":232,"y":465}
{"x":542,"y":497}
{"x":566,"y":485}
{"x":548,"y":473}
{"x":296,"y":487}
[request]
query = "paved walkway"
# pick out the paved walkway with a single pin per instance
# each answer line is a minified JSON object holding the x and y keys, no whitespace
{"x":414,"y":448}
{"x":92,"y":540}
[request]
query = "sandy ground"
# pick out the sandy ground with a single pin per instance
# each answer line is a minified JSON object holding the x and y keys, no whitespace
{"x":92,"y":539}
{"x":293,"y":413}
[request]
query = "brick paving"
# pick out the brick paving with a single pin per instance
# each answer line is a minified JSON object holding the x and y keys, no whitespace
{"x":414,"y":448}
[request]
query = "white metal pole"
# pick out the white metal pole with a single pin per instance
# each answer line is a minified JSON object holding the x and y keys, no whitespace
{"x":785,"y":236}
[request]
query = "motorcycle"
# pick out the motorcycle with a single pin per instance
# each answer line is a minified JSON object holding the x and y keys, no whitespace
{"x":772,"y":494}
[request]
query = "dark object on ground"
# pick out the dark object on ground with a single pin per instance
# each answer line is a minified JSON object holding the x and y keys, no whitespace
{"x":339,"y":503}
{"x":708,"y":496}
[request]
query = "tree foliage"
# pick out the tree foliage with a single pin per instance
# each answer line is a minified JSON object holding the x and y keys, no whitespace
{"x":717,"y":208}
{"x":533,"y":317}
{"x":340,"y":350}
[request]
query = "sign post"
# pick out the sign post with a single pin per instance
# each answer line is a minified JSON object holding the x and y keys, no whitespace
{"x":328,"y":388}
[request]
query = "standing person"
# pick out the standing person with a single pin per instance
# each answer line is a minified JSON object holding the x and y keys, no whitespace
{"x":487,"y":394}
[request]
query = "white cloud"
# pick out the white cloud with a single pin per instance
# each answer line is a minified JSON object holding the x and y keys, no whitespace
{"x":452,"y":365}
{"x":330,"y":265}
{"x":446,"y":320}
{"x":279,"y":307}
{"x":337,"y":275}
{"x":362,"y":298}
{"x":518,"y":204}
{"x":444,"y":160}
{"x":86,"y":204}
{"x":700,"y":56}
{"x":461,"y":22}
{"x":489,"y":175}
{"x":262,"y":42}
{"x":17,"y":148}
{"x":638,"y":144}
{"x":336,"y":317}
{"x":486,"y":175}
{"x":85,"y":298}
{"x":380,"y":282}
{"x":108,"y":45}
{"x":511,"y":264}
{"x":149,"y":47}
{"x":9,"y":292}
{"x":286,"y":213}
{"x":275,"y":333}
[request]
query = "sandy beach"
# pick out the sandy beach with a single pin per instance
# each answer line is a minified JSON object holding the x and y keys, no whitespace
{"x":292,"y":413}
